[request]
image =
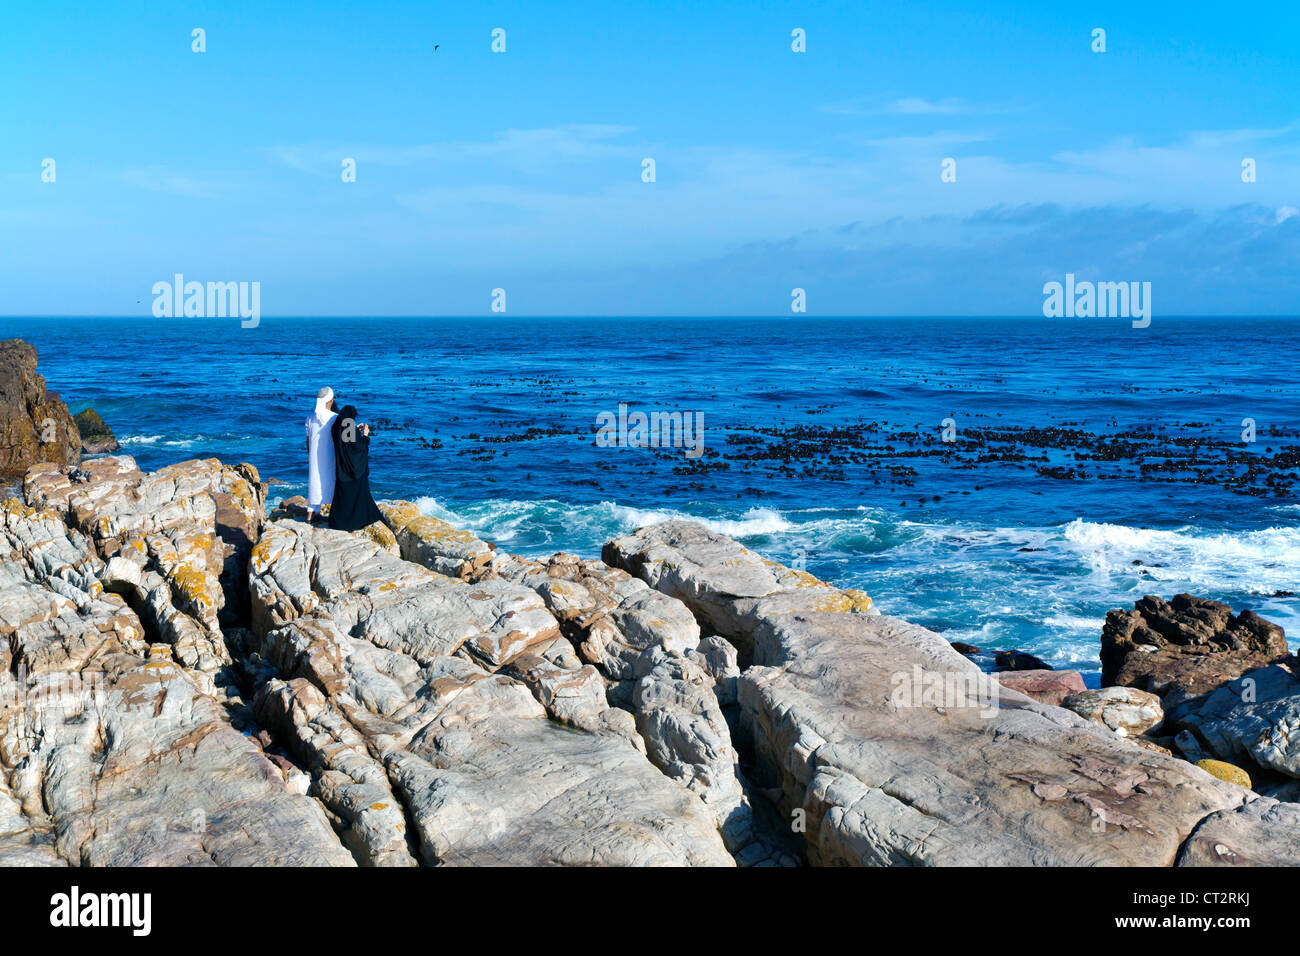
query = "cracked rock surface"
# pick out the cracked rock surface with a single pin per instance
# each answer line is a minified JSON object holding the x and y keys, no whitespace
{"x":892,"y":748}
{"x":185,"y":682}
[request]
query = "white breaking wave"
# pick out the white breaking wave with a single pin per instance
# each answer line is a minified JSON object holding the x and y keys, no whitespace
{"x":504,"y":520}
{"x":1258,"y":562}
{"x":1075,"y":622}
{"x":179,"y":442}
{"x":1043,"y":589}
{"x":755,"y":521}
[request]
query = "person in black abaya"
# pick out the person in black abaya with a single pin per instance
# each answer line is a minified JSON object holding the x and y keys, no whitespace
{"x":353,"y":507}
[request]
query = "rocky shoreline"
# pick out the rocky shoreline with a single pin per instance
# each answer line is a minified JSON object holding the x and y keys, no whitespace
{"x":190,"y":680}
{"x":187,"y":679}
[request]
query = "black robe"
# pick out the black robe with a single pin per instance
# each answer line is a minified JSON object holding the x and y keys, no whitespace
{"x":353,"y":507}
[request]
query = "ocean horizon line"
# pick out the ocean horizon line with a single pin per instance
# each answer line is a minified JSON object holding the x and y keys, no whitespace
{"x":615,"y":315}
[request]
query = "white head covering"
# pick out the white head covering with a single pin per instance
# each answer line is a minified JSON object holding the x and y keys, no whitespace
{"x":323,"y":399}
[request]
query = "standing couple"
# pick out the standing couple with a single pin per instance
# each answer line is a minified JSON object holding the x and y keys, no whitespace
{"x":338,"y":466}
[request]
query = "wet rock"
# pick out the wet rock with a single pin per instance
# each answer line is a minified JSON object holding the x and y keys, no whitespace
{"x":1046,"y":687}
{"x":1124,"y":710}
{"x":96,"y":437}
{"x":1018,"y":661}
{"x":1185,"y":647}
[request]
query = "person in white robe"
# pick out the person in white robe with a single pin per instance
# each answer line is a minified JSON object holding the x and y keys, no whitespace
{"x":320,"y":453}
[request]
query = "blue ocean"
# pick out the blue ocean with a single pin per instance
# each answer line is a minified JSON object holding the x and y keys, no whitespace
{"x":1004,"y":481}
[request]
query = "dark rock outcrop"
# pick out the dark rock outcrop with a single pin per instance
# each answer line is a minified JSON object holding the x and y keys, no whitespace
{"x":1186,"y":647}
{"x":96,"y":437}
{"x":34,"y":424}
{"x":1018,"y":661}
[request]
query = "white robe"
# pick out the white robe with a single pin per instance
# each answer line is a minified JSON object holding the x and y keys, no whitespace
{"x":320,"y":461}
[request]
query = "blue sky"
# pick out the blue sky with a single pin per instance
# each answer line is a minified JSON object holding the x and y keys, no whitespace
{"x":775,"y":169}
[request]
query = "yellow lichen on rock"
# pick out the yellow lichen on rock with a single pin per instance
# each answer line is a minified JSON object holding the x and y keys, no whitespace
{"x":405,"y":516}
{"x":848,"y":601}
{"x":15,"y":507}
{"x":1226,"y":772}
{"x":802,"y":579}
{"x":383,"y":536}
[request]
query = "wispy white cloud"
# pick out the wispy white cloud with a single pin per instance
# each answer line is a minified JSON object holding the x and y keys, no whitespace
{"x":517,"y":146}
{"x":163,"y":180}
{"x":880,"y":105}
{"x":914,"y":104}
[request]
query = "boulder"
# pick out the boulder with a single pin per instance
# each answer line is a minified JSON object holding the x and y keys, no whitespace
{"x":96,"y":437}
{"x":1262,"y":832}
{"x":1225,"y":771}
{"x":1255,"y":718}
{"x":1018,"y":661}
{"x":383,"y":536}
{"x":293,"y":507}
{"x":434,"y":543}
{"x":1046,"y":687}
{"x":883,"y":745}
{"x":1185,"y":647}
{"x":35,"y":425}
{"x":1125,"y":710}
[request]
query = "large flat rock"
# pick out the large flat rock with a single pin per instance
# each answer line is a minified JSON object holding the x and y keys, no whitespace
{"x":889,"y":747}
{"x":1263,"y":832}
